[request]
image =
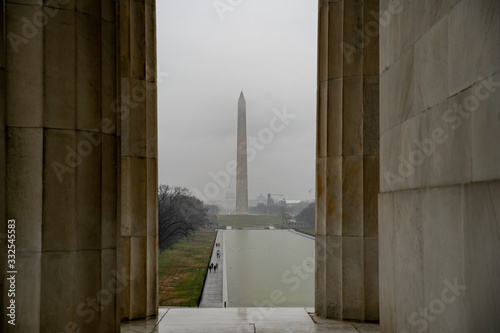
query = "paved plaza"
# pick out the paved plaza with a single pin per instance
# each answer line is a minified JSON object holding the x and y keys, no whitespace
{"x":242,"y":320}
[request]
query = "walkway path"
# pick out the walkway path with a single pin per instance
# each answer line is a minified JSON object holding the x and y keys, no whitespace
{"x":212,"y":291}
{"x":301,"y":233}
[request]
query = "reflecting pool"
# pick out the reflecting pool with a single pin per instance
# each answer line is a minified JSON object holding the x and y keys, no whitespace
{"x":269,"y":268}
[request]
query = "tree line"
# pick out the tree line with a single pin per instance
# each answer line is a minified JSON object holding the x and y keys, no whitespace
{"x":307,"y":215}
{"x":180,"y":214}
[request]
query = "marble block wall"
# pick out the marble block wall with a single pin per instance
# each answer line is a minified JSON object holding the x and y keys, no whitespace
{"x":347,"y":164}
{"x":439,"y":201}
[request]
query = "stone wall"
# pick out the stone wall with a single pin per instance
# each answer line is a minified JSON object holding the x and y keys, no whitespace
{"x":439,"y":202}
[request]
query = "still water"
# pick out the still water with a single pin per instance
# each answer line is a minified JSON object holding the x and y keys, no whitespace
{"x":269,"y":268}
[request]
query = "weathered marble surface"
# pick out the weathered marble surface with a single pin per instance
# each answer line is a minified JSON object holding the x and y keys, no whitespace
{"x":439,"y":126}
{"x":67,"y":96}
{"x":347,"y":161}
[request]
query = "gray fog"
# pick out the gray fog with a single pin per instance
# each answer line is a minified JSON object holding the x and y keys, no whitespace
{"x":209,"y":51}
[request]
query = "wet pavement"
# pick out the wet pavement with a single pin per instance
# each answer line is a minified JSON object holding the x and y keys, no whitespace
{"x":212,"y":290}
{"x":242,"y":320}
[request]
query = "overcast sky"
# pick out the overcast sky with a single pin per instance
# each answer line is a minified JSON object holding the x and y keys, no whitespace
{"x":206,"y":56}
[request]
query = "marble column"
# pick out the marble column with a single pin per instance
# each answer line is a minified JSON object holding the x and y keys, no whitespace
{"x":347,"y":161}
{"x":79,"y":162}
{"x":137,"y":109}
{"x":58,"y":75}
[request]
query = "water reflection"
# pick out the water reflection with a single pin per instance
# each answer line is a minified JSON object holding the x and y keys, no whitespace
{"x":269,"y":268}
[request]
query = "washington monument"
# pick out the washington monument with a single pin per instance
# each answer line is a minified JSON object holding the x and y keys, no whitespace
{"x":241,"y":159}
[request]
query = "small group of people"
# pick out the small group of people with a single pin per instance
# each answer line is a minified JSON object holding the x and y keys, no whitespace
{"x":212,"y":266}
{"x":216,"y":265}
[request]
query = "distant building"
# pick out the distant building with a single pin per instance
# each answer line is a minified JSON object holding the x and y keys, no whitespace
{"x":261,"y":199}
{"x":229,"y":204}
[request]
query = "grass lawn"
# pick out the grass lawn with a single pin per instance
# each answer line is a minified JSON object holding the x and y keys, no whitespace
{"x":240,"y":221}
{"x":182,"y":269}
{"x":310,"y":231}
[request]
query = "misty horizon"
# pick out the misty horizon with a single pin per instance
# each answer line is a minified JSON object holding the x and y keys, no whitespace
{"x":204,"y":62}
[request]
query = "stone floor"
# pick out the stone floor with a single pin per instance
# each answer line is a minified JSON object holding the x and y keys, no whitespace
{"x":242,"y":320}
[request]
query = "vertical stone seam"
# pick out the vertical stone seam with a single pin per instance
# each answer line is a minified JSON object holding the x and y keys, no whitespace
{"x":118,"y":143}
{"x":341,"y":112}
{"x":146,"y":138}
{"x":102,"y":151}
{"x":2,"y":40}
{"x":464,"y":203}
{"x":319,"y":145}
{"x":44,"y":164}
{"x":125,"y":306}
{"x":151,"y":109}
{"x":364,"y":277}
{"x":318,"y":75}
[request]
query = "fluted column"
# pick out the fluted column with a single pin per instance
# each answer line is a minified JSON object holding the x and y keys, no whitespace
{"x":347,"y":161}
{"x":139,"y":241}
{"x":61,"y":161}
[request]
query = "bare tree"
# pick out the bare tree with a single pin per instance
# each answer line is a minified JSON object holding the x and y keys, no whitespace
{"x":179,"y":215}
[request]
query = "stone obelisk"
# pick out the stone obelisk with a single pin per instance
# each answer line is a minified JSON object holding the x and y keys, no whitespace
{"x":241,"y":159}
